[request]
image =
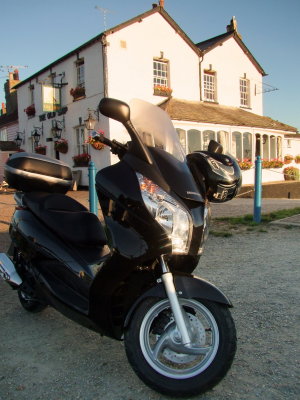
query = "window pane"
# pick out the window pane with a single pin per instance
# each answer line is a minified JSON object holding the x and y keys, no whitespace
{"x":245,"y":92}
{"x":209,"y":86}
{"x":223,"y":139}
{"x":182,"y":138}
{"x":207,"y":137}
{"x":236,"y":147}
{"x":160,"y":73}
{"x":247,"y":145}
{"x":194,"y":140}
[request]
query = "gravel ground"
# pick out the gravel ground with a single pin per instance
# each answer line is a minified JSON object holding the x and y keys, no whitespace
{"x":46,"y":356}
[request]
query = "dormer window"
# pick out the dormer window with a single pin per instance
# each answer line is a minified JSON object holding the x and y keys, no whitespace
{"x":209,"y":86}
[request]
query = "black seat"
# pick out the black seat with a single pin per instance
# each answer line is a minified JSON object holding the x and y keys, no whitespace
{"x":67,"y":218}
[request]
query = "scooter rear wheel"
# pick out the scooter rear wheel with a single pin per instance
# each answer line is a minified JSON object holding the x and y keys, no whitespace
{"x":155,"y":353}
{"x":29,"y":302}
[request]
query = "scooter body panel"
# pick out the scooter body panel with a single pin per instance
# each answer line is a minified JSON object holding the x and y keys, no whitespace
{"x":60,"y":269}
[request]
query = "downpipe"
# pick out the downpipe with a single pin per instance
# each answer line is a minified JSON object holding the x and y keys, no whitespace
{"x":8,"y":271}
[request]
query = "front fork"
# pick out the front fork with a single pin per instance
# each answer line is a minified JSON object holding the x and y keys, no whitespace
{"x":167,"y":278}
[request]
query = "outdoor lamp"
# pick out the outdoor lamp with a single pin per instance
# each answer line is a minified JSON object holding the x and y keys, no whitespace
{"x":91,"y":120}
{"x":36,"y":137}
{"x":57,"y":128}
{"x":18,"y":140}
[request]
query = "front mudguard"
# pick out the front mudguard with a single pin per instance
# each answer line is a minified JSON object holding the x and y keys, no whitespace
{"x":186,"y":287}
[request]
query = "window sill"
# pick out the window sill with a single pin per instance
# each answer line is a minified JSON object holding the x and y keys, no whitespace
{"x":78,"y":98}
{"x":210,"y":102}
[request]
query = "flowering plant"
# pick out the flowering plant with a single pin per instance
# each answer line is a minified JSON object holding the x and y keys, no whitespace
{"x":288,"y":159}
{"x":245,"y":164}
{"x":95,"y":142}
{"x":40,"y":149}
{"x":82,"y":160}
{"x":291,"y":174}
{"x":61,"y":145}
{"x":30,"y":110}
{"x":77,"y":92}
{"x":162,"y":90}
{"x":297,"y":158}
{"x":275,"y":163}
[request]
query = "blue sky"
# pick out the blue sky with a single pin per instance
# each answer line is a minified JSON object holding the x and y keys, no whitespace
{"x":35,"y":33}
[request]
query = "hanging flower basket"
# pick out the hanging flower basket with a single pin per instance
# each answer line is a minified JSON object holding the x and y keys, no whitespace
{"x":30,"y":110}
{"x":297,"y":159}
{"x":82,"y":160}
{"x":61,"y":145}
{"x":94,"y":141}
{"x":41,"y":150}
{"x":162,"y":91}
{"x":77,"y":92}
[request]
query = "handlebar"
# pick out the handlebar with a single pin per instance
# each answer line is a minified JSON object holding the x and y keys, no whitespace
{"x":115,"y":147}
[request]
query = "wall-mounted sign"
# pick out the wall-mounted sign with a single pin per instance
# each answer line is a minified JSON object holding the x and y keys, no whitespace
{"x":51,"y":98}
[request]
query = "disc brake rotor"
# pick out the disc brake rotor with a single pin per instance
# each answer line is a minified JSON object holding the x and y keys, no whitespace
{"x":198,"y":336}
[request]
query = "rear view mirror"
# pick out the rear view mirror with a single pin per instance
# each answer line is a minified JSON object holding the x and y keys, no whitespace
{"x":115,"y":109}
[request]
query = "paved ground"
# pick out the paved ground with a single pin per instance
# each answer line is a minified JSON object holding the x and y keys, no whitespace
{"x":46,"y":356}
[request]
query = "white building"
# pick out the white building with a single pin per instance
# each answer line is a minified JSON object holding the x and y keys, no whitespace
{"x":210,"y":90}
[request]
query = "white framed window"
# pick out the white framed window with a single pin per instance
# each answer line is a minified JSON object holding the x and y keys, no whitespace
{"x":160,"y":73}
{"x":244,"y":92}
{"x":31,"y":94}
{"x":80,"y":73}
{"x":182,"y":137}
{"x":3,"y":135}
{"x":82,"y":146}
{"x":209,"y":86}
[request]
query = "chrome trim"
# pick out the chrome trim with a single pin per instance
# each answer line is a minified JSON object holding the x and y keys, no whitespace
{"x":8,"y":272}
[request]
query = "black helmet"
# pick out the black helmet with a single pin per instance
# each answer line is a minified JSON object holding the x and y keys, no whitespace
{"x":218,"y":174}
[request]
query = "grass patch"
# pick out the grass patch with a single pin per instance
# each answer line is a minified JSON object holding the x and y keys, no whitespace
{"x":220,"y":233}
{"x":228,"y":226}
{"x":265,"y":218}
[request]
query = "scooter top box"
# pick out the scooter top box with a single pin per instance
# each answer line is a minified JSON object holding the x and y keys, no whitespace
{"x":34,"y":172}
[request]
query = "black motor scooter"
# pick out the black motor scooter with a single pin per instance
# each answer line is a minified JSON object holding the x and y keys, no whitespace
{"x":130,"y":280}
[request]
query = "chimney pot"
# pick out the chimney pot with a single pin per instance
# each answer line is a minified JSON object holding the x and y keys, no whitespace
{"x":162,"y":3}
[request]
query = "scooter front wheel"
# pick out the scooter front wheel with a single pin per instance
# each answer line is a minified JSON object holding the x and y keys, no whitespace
{"x":157,"y":355}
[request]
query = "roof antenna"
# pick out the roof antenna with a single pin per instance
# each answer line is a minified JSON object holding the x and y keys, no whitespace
{"x":104,"y":11}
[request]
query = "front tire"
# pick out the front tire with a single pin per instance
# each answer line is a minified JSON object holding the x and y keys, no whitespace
{"x":155,"y":353}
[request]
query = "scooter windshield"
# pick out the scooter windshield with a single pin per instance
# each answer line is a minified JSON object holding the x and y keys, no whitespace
{"x":155,"y":128}
{"x":157,"y":132}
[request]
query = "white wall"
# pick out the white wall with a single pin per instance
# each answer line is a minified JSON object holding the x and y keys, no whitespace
{"x":231,"y":63}
{"x":76,"y":109}
{"x":131,"y":68}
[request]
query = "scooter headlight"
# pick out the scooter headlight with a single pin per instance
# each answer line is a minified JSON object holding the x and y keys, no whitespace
{"x":173,"y":218}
